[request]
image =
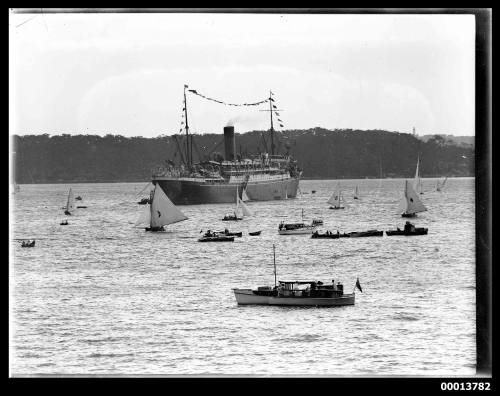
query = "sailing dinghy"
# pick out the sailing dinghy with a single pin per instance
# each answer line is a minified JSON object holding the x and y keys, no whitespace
{"x":417,"y":182}
{"x":410,"y":204}
{"x":336,"y":198}
{"x":356,"y":193}
{"x":70,"y":204}
{"x":239,"y":204}
{"x":160,"y":212}
{"x":440,"y":186}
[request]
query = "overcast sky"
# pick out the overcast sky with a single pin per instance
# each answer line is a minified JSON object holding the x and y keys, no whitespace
{"x":125,"y":73}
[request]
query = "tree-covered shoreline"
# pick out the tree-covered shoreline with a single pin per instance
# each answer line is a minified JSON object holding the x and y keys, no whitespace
{"x":321,"y":153}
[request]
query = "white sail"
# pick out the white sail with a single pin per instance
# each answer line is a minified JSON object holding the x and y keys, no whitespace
{"x":144,"y":217}
{"x":416,"y":180}
{"x":439,"y":185}
{"x":244,"y":196}
{"x":336,"y":196}
{"x":356,"y":192}
{"x":163,"y":211}
{"x":413,"y":203}
{"x":70,"y":205}
{"x":244,"y":208}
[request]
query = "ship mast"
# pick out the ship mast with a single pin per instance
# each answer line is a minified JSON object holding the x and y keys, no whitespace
{"x":272,"y":128}
{"x":272,"y":125}
{"x":188,"y":158}
{"x":274,"y":261}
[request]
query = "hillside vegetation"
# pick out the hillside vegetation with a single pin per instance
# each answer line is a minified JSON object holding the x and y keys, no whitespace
{"x":321,"y":153}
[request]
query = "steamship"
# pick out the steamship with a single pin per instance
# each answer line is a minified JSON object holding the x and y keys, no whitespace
{"x":264,"y":177}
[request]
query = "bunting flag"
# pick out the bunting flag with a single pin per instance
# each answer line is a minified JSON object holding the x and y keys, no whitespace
{"x":185,"y":86}
{"x":227,"y":104}
{"x":281,"y":125}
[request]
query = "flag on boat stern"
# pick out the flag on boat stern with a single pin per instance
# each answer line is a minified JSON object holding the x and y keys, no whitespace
{"x":358,"y":285}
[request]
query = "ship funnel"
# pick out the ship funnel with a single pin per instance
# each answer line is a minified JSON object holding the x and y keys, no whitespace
{"x":229,"y":143}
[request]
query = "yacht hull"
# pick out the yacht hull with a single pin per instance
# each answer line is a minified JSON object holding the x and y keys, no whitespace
{"x":247,"y":297}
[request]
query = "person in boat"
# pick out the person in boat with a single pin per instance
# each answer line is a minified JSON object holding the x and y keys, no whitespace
{"x":409,"y":227}
{"x":333,"y":284}
{"x":226,"y":231}
{"x":316,"y":232}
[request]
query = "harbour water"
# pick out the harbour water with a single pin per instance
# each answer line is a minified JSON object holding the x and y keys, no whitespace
{"x":101,"y":297}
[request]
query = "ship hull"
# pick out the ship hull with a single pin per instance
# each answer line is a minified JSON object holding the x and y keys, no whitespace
{"x":193,"y":192}
{"x":247,"y":297}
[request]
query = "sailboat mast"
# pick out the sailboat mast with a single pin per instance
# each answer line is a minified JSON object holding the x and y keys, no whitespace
{"x":188,"y":157}
{"x":272,"y":128}
{"x":151,"y":197}
{"x":274,"y":262}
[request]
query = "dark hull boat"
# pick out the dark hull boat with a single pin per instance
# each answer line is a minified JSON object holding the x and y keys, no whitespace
{"x":67,"y":213}
{"x":219,"y":238}
{"x":155,"y":229}
{"x":409,"y":215}
{"x":368,"y":233}
{"x":81,"y":207}
{"x":231,"y":218}
{"x":28,"y":244}
{"x":64,"y":223}
{"x":336,"y":207}
{"x":144,"y":201}
{"x":327,"y":235}
{"x":416,"y":231}
{"x":233,"y":234}
{"x":255,"y":233}
{"x":409,"y":229}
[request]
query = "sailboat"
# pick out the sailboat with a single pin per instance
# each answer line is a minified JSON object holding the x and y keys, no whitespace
{"x":239,"y":204}
{"x":417,"y":183}
{"x":356,"y":193}
{"x":70,"y":205}
{"x":410,"y":204}
{"x":440,"y":186}
{"x":335,"y":198}
{"x":160,"y":212}
{"x":244,"y":196}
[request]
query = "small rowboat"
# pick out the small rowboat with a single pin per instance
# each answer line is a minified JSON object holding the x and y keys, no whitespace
{"x":254,"y":233}
{"x":231,"y":218}
{"x":328,"y":234}
{"x":218,"y":238}
{"x":81,"y":207}
{"x":368,"y":233}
